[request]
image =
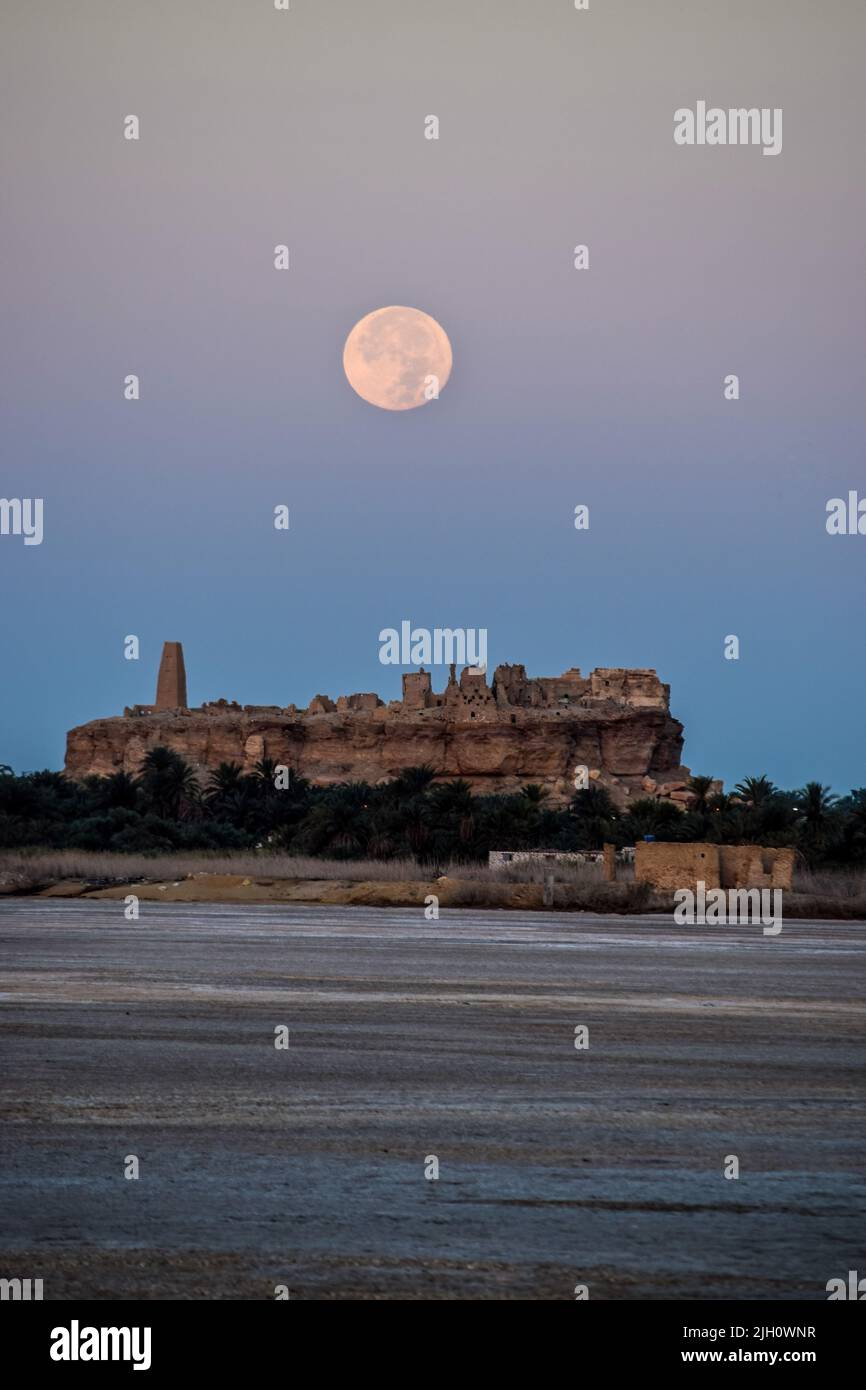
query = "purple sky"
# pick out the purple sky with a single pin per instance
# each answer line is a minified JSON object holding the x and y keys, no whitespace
{"x":602,"y":387}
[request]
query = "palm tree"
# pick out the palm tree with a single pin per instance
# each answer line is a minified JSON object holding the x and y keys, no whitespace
{"x":449,"y":798}
{"x":501,"y":823}
{"x":413,"y":781}
{"x":534,"y":793}
{"x":224,"y":780}
{"x":756,"y":791}
{"x":732,"y":823}
{"x":120,"y":789}
{"x":167,"y":781}
{"x":340,"y":817}
{"x":815,"y":803}
{"x":380,"y":842}
{"x":231,"y":796}
{"x":451,"y":806}
{"x":701,"y":788}
{"x":359,"y":795}
{"x":815,"y":809}
{"x":592,"y":801}
{"x":648,"y":816}
{"x":593,"y":811}
{"x":265,"y":770}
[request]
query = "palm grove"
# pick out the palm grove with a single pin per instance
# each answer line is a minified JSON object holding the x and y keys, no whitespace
{"x":165,"y":808}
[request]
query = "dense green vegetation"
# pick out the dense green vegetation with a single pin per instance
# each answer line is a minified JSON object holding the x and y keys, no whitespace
{"x":165,"y":809}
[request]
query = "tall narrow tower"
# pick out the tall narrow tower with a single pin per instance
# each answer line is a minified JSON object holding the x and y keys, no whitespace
{"x":171,"y":683}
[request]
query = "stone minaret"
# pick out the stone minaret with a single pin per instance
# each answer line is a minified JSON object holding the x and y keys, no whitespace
{"x":171,"y":684}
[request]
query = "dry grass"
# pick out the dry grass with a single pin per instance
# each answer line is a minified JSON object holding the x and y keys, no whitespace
{"x":578,"y":887}
{"x":839,"y":883}
{"x":839,"y":893}
{"x":30,"y":868}
{"x":50,"y":866}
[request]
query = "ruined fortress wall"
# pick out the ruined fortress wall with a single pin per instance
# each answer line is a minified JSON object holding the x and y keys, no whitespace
{"x":634,"y":687}
{"x":742,"y":866}
{"x":497,"y":737}
{"x":417,"y":689}
{"x":782,"y":867}
{"x":755,"y":866}
{"x":671,"y":866}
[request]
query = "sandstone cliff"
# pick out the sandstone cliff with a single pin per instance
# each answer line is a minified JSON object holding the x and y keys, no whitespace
{"x":616,"y":723}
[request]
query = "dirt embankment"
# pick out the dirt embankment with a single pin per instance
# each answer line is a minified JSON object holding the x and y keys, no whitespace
{"x":450,"y":892}
{"x":622,"y":898}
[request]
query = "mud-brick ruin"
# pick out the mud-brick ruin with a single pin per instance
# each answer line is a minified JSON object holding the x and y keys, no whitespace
{"x":672,"y":866}
{"x":498,"y":737}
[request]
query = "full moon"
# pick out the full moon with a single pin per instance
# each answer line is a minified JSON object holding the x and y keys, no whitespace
{"x":397,"y":358}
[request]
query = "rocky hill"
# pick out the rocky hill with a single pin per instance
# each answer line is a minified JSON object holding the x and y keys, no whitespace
{"x":615,"y":723}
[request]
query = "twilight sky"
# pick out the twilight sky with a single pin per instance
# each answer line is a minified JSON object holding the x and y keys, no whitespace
{"x":603,"y":386}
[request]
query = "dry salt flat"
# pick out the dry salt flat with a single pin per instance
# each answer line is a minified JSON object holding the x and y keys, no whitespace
{"x":411,"y":1040}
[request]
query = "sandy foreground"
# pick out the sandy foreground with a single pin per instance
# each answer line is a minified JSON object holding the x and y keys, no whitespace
{"x":411,"y":1040}
{"x":621,"y":898}
{"x":239,"y":888}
